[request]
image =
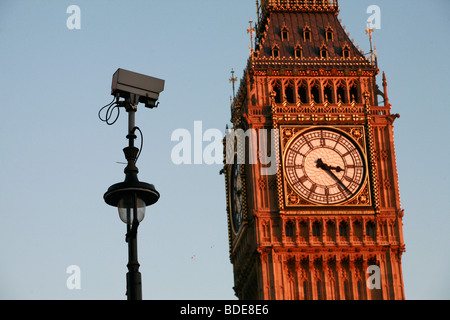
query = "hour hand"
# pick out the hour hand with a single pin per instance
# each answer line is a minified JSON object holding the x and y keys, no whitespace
{"x":324,"y":166}
{"x":337,"y":169}
{"x":320,"y":164}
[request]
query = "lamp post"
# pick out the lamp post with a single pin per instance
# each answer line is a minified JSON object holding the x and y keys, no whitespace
{"x":131,"y":196}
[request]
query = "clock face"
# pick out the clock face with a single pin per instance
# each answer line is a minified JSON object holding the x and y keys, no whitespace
{"x":236,"y":196}
{"x":324,"y":166}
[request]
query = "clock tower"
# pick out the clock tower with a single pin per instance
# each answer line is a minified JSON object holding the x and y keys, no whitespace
{"x":311,"y":180}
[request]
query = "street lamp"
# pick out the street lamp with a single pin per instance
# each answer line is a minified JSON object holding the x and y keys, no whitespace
{"x":132,"y":196}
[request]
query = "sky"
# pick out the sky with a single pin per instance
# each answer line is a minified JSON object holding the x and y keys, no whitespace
{"x":57,"y":158}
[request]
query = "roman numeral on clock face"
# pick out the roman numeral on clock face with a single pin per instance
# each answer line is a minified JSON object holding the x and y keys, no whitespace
{"x":348,"y":178}
{"x":295,"y":166}
{"x":302,"y":179}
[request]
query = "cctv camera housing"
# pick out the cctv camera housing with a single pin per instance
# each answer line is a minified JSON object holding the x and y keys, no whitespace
{"x":127,"y":83}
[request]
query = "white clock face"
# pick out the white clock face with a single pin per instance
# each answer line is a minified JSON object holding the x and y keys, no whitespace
{"x":324,"y":166}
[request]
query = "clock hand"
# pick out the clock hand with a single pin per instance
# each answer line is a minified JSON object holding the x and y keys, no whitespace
{"x":344,"y":187}
{"x":333,"y":175}
{"x":324,"y":166}
{"x":327,"y":168}
{"x":338,"y":169}
{"x":339,"y":182}
{"x":320,"y":164}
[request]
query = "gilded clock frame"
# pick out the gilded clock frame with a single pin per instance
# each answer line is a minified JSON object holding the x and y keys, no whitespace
{"x":289,"y":199}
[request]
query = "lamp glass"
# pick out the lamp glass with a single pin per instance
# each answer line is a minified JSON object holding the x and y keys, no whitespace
{"x":126,"y":209}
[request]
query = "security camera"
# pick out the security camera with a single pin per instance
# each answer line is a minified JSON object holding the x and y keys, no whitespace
{"x":136,"y":87}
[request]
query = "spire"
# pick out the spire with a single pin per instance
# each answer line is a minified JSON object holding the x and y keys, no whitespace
{"x":251,"y":30}
{"x":386,"y":98}
{"x":232,"y":80}
{"x":369,"y":31}
{"x":257,"y":10}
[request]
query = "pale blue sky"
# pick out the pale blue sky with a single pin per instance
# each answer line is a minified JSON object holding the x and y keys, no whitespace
{"x":57,"y":159}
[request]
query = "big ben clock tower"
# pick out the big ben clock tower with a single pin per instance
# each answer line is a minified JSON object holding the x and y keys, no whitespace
{"x":326,"y":223}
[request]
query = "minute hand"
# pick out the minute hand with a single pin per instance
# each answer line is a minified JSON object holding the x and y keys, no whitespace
{"x":327,"y":168}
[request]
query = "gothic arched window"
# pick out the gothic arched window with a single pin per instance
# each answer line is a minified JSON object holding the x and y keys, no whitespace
{"x":290,"y":93}
{"x":370,"y":229}
{"x":346,"y":52}
{"x":316,"y":229}
{"x":275,"y":51}
{"x":303,"y":92}
{"x":315,"y":93}
{"x":319,"y":290}
{"x":340,"y":91}
{"x":354,"y":92}
{"x":343,"y":229}
{"x":289,"y":229}
{"x":298,"y":52}
{"x":276,"y":88}
{"x":323,"y":52}
{"x":329,"y":33}
{"x":307,"y":33}
{"x":328,"y":92}
{"x":284,"y":33}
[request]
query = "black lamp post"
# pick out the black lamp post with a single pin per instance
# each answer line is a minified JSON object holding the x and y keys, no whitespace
{"x":131,"y":196}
